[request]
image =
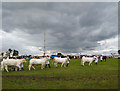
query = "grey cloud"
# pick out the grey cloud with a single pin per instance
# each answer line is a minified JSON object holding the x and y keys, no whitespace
{"x":67,"y":25}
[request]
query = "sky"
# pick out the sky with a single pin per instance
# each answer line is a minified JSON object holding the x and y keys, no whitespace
{"x":77,"y":27}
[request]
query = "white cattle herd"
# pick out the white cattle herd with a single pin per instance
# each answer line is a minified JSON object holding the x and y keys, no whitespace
{"x":56,"y":60}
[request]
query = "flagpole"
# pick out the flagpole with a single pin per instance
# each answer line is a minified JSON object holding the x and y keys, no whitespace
{"x":44,"y":43}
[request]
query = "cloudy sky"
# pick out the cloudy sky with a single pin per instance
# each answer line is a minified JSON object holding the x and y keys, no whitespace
{"x":79,"y":27}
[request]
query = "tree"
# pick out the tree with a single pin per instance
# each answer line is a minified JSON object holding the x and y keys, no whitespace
{"x":7,"y":54}
{"x":59,"y":53}
{"x":118,"y":51}
{"x":10,"y":50}
{"x":2,"y":54}
{"x":15,"y":53}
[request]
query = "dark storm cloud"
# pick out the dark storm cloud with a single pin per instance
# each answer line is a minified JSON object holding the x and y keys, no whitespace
{"x":67,"y":25}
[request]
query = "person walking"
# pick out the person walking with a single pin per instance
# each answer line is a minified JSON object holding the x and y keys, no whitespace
{"x":101,"y":58}
{"x":47,"y":63}
{"x":22,"y":64}
{"x":96,"y":60}
{"x":67,"y":61}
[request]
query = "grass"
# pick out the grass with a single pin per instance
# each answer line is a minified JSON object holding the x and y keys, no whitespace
{"x":104,"y":75}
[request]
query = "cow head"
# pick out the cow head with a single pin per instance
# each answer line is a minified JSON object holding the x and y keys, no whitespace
{"x":94,"y":57}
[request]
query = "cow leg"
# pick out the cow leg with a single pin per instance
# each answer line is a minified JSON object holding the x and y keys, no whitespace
{"x":61,"y":64}
{"x":83,"y":63}
{"x":16,"y":69}
{"x":29,"y":66}
{"x":2,"y":68}
{"x":6,"y":68}
{"x":89,"y":63}
{"x":42,"y":66}
{"x":10,"y":68}
{"x":64,"y":65}
{"x":55,"y":64}
{"x":33,"y":67}
{"x":19,"y":67}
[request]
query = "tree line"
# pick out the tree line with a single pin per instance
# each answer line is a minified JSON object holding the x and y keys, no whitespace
{"x":8,"y":53}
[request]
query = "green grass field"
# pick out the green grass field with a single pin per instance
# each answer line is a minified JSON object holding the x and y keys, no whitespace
{"x":104,"y":75}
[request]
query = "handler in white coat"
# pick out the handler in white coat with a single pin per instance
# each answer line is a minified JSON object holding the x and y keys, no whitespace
{"x":22,"y":65}
{"x":96,"y":60}
{"x":47,"y":63}
{"x":101,"y":58}
{"x":67,"y":62}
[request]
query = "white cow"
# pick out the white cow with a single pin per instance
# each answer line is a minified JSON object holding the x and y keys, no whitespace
{"x":87,"y":59}
{"x":38,"y":62}
{"x":62,"y":61}
{"x":11,"y":62}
